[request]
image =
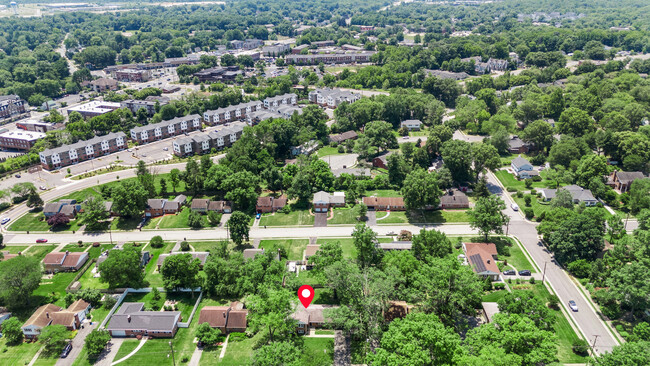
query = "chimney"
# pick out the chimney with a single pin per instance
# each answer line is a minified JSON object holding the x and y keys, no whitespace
{"x":488,"y":261}
{"x":128,"y":317}
{"x":47,"y":314}
{"x":67,"y":252}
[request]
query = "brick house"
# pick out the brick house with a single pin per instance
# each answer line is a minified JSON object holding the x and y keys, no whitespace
{"x":454,"y":199}
{"x":385,"y":203}
{"x":621,"y":181}
{"x":482,"y":257}
{"x":131,"y":320}
{"x":227,"y":319}
{"x":64,"y":261}
{"x":323,"y":201}
{"x":270,"y":204}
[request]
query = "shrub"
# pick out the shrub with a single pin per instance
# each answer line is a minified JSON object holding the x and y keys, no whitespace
{"x":214,"y":218}
{"x":537,"y":178}
{"x":528,"y":211}
{"x":625,"y":335}
{"x":520,"y":194}
{"x":580,"y":347}
{"x":511,"y":189}
{"x":499,"y":286}
{"x":109,"y":302}
{"x":4,"y":206}
{"x":528,"y":183}
{"x":487,"y":285}
{"x":237,"y":337}
{"x":285,"y":210}
{"x":185,"y":246}
{"x":612,"y":310}
{"x":156,"y":242}
{"x":340,"y":149}
{"x":553,"y":302}
{"x":528,"y":199}
{"x":532,"y":280}
{"x":533,"y":191}
{"x":185,"y":358}
{"x":579,"y":268}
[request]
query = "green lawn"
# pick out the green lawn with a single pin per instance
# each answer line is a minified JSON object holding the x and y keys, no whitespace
{"x":345,"y":216}
{"x":19,"y":354}
{"x":88,"y":280}
{"x":175,"y":221}
{"x":128,"y":345}
{"x":56,"y":285}
{"x":537,"y":205}
{"x":31,"y":221}
{"x":239,"y":353}
{"x":184,"y":304}
{"x":326,"y":151}
{"x":324,"y":332}
{"x":510,"y":181}
{"x":494,"y":296}
{"x":39,"y":251}
{"x":318,"y":351}
{"x":307,"y":278}
{"x":297,"y":217}
{"x":293,"y":247}
{"x":15,"y":249}
{"x":417,"y":217}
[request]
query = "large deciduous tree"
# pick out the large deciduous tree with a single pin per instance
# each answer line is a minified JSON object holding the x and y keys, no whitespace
{"x":578,"y":237}
{"x":181,"y":271}
{"x":94,"y":212}
{"x":365,"y":240}
{"x":420,"y":190}
{"x":238,"y":225}
{"x":487,"y":215}
{"x":122,"y":269}
{"x":431,"y":243}
{"x":130,"y":198}
{"x":96,"y":342}
{"x":19,"y":277}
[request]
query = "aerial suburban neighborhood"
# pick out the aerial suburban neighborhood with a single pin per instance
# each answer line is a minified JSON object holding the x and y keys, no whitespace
{"x":284,"y":183}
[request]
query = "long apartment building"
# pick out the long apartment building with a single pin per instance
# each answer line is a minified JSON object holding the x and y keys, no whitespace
{"x":82,"y":150}
{"x":330,"y":58}
{"x":11,"y":107}
{"x":149,"y":104}
{"x":231,"y":113}
{"x":132,"y":75}
{"x":201,"y":143}
{"x":19,"y":139}
{"x":165,"y":129}
{"x":331,"y":98}
{"x":287,"y":99}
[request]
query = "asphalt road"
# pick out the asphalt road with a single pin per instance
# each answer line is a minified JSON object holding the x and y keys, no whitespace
{"x":589,"y":323}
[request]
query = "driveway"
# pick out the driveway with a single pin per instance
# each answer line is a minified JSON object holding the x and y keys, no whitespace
{"x":340,"y":161}
{"x":372,"y":218}
{"x":341,"y":349}
{"x":107,"y":357}
{"x":320,"y":219}
{"x":77,"y":344}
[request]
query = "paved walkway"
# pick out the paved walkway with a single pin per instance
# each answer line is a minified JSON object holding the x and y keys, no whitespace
{"x":196,"y":357}
{"x":381,"y":218}
{"x":142,"y":342}
{"x":320,"y":219}
{"x":31,"y":363}
{"x":223,"y":349}
{"x":77,"y":344}
{"x":312,"y":333}
{"x":372,"y":218}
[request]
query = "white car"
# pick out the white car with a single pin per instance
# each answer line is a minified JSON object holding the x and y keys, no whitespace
{"x":514,"y":207}
{"x":573,"y":305}
{"x":5,"y":220}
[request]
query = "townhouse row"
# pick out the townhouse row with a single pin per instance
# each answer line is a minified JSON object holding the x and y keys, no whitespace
{"x":166,"y":129}
{"x":202,"y":143}
{"x":245,"y":110}
{"x":82,"y":150}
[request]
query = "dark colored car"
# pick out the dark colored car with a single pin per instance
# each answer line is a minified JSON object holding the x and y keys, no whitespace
{"x":66,"y":350}
{"x":524,"y":272}
{"x":510,"y":272}
{"x":17,"y":175}
{"x":41,"y":240}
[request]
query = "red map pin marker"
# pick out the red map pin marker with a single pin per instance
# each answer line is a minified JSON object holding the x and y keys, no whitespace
{"x":306,"y":295}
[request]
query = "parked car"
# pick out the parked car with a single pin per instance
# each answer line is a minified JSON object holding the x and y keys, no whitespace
{"x":66,"y":350}
{"x":42,"y":188}
{"x":41,"y":240}
{"x":573,"y":305}
{"x":510,"y":272}
{"x":5,"y":220}
{"x":258,"y":216}
{"x":165,"y":148}
{"x":514,"y":207}
{"x":524,"y":272}
{"x":17,"y":175}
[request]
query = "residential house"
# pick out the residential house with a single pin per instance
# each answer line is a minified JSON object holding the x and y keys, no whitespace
{"x":231,"y":113}
{"x":260,"y":116}
{"x":522,"y":168}
{"x":227,"y":319}
{"x":270,"y":204}
{"x":52,"y":208}
{"x":251,"y":253}
{"x":323,"y":200}
{"x":357,"y":172}
{"x":332,"y":98}
{"x":145,"y":256}
{"x":384,"y":203}
{"x":578,"y":194}
{"x":310,"y":250}
{"x":4,"y":315}
{"x":39,"y":320}
{"x":166,"y":129}
{"x":311,"y":317}
{"x":517,"y":145}
{"x":490,"y":309}
{"x":220,"y":206}
{"x":454,"y":199}
{"x":159,"y":206}
{"x":348,"y":135}
{"x":411,"y":124}
{"x":7,"y":256}
{"x":131,"y":320}
{"x":82,"y":150}
{"x":307,"y":148}
{"x":482,"y":257}
{"x":201,"y":256}
{"x":381,"y":161}
{"x":621,"y":181}
{"x":287,"y":99}
{"x":64,"y":261}
{"x":287,"y":111}
{"x":200,"y":205}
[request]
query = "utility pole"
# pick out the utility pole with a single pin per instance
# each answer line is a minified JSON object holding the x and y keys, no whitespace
{"x":626,"y":220}
{"x":172,"y":348}
{"x":593,"y":352}
{"x":544,"y":274}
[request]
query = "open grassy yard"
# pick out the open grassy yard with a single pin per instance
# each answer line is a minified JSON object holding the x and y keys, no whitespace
{"x":151,"y":270}
{"x":56,"y":285}
{"x":19,"y":354}
{"x":318,"y":351}
{"x":31,"y":221}
{"x":238,"y":353}
{"x":293,"y":247}
{"x":88,"y":280}
{"x":306,"y":278}
{"x":510,"y":181}
{"x":383,"y":193}
{"x":326,"y":151}
{"x":494,"y":296}
{"x":538,"y":207}
{"x":417,"y":217}
{"x":297,"y":217}
{"x":175,"y":221}
{"x":39,"y":251}
{"x":15,"y":249}
{"x":128,"y":345}
{"x":345,"y":216}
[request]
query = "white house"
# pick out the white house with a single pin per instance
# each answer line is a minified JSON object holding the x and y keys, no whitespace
{"x":412,"y":124}
{"x":522,"y":168}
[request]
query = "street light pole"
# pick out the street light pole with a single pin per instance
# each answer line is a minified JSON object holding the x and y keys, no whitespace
{"x":544,"y":274}
{"x":172,"y":348}
{"x":593,"y":345}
